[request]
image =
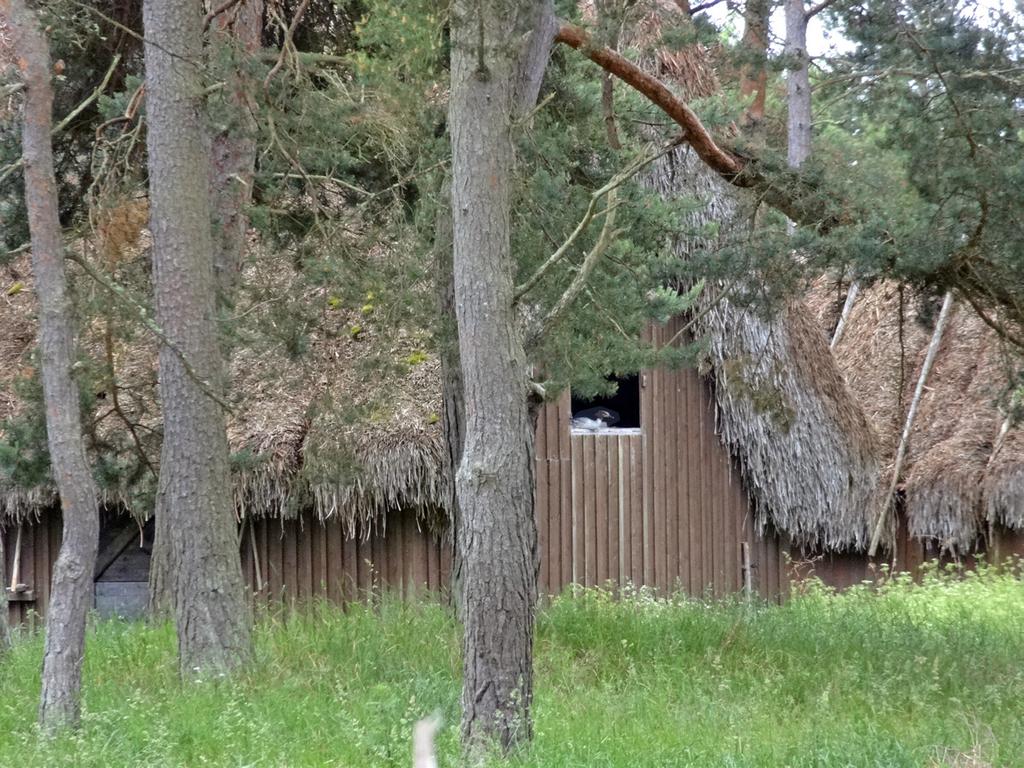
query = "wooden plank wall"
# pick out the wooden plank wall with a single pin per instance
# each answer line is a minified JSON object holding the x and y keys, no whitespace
{"x":40,"y":544}
{"x":303,"y":560}
{"x":665,"y":508}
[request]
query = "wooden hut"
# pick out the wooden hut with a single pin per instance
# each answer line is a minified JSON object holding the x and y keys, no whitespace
{"x":338,"y":505}
{"x":779,"y":447}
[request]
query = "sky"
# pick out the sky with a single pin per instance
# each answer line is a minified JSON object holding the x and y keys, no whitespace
{"x":821,"y":41}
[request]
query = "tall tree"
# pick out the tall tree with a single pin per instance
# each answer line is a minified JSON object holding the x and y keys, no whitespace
{"x":5,"y":630}
{"x":195,"y":482}
{"x":71,"y":588}
{"x":798,"y":85}
{"x":498,"y":56}
{"x":754,"y":78}
{"x":236,"y":34}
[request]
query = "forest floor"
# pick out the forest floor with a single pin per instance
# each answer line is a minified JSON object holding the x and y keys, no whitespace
{"x":908,"y":675}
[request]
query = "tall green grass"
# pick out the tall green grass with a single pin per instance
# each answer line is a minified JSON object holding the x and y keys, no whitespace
{"x":899,"y":675}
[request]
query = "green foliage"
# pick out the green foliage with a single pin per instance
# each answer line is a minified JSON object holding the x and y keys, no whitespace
{"x":24,"y":457}
{"x":900,"y":675}
{"x":565,"y":157}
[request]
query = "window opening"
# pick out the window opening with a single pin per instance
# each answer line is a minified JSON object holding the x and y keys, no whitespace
{"x":617,"y":412}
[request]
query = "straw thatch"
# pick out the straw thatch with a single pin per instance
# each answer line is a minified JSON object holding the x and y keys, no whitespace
{"x":810,"y":457}
{"x":309,"y":432}
{"x":954,"y":480}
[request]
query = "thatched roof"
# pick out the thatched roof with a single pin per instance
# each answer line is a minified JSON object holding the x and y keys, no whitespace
{"x":809,"y":455}
{"x":309,"y":431}
{"x":955,"y":479}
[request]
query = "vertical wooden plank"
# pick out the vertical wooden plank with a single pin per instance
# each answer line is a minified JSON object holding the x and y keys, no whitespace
{"x":647,"y":419}
{"x":625,"y":518}
{"x":636,"y":509}
{"x":661,"y":468}
{"x":681,"y":480}
{"x":736,"y":535}
{"x":349,"y":586}
{"x":393,"y":543}
{"x":578,"y":573}
{"x":290,"y":571}
{"x":335,"y":568}
{"x":542,"y":504}
{"x":553,"y":475}
{"x":262,"y":553}
{"x":565,"y":485}
{"x":421,"y":564}
{"x":275,"y":560}
{"x":303,"y":560}
{"x":370,"y":560}
{"x":615,"y":494}
{"x":706,"y":504}
{"x":416,"y":556}
{"x":245,"y":556}
{"x":717,"y":497}
{"x":671,"y":481}
{"x":589,"y":506}
{"x":321,"y":569}
{"x":432,"y":553}
{"x":693,"y":474}
{"x":600,"y":509}
{"x":43,"y":566}
{"x":380,"y":557}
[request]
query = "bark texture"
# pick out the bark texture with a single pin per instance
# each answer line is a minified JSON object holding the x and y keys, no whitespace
{"x":798,"y":85}
{"x":754,"y":80}
{"x":453,"y":412}
{"x":5,"y":629}
{"x":495,"y":46}
{"x":233,"y":150}
{"x":195,"y":499}
{"x":71,"y":589}
{"x":232,"y":167}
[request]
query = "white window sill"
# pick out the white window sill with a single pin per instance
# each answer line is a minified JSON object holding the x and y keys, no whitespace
{"x":609,"y":431}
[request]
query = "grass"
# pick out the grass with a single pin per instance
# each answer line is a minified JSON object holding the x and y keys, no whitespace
{"x":906,"y":675}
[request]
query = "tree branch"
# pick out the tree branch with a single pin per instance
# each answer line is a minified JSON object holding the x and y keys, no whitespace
{"x":287,"y":44}
{"x":786,"y":191}
{"x":615,"y":182}
{"x":908,"y":426}
{"x":589,"y":262}
{"x":63,"y":124}
{"x":814,"y":10}
{"x":694,"y":132}
{"x":143,"y":315}
{"x":227,"y":5}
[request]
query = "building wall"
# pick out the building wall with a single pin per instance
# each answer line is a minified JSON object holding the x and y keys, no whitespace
{"x":664,"y":508}
{"x":304,"y":559}
{"x":40,"y":543}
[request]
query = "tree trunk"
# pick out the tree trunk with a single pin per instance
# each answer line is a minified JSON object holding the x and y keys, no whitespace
{"x":233,"y":164}
{"x":495,"y":52}
{"x":453,"y":412}
{"x":5,"y":629}
{"x":798,"y":85}
{"x":233,"y":153}
{"x":195,"y":499}
{"x":71,"y":586}
{"x":754,"y":79}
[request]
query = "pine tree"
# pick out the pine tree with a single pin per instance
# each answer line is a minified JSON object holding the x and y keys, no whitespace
{"x":195,"y":498}
{"x":71,"y":586}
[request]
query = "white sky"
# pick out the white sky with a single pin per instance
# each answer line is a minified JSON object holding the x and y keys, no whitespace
{"x":819,"y":40}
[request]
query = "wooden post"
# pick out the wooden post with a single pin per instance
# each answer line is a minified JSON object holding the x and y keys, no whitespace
{"x":255,"y":556}
{"x":748,"y":577}
{"x":851,"y":297}
{"x":901,"y":452}
{"x":16,"y":563}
